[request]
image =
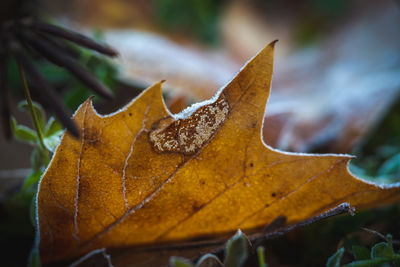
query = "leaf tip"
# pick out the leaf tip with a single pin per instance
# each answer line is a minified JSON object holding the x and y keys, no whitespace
{"x":272,"y":44}
{"x":157,"y":87}
{"x":153,"y":95}
{"x":89,"y":103}
{"x":79,"y":114}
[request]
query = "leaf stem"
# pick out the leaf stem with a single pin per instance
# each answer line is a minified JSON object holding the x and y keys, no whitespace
{"x":261,"y":258}
{"x":34,"y":115}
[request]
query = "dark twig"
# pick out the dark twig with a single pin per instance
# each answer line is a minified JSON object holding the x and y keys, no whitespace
{"x":53,"y":43}
{"x":341,"y":209}
{"x":34,"y":115}
{"x":61,"y":46}
{"x":45,"y":92}
{"x":374,"y":233}
{"x":371,"y":231}
{"x":57,"y":57}
{"x":74,"y":37}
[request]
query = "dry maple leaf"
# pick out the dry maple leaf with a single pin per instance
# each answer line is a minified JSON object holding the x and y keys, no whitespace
{"x":142,"y":176}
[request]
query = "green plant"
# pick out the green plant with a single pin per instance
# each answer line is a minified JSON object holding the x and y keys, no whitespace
{"x":382,"y":254}
{"x":236,"y":252}
{"x":51,"y":131}
{"x":44,"y":141}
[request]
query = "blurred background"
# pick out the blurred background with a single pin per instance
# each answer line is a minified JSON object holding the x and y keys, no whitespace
{"x":336,"y":84}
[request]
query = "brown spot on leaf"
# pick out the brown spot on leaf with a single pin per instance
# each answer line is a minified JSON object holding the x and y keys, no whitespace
{"x":188,"y":135}
{"x":196,"y":207}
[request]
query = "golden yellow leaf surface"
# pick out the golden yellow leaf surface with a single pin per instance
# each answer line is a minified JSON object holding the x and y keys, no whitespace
{"x":142,"y":176}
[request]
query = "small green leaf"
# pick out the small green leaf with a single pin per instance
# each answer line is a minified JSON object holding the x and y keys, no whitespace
{"x":390,"y":166}
{"x":41,"y":115}
{"x":209,"y":260}
{"x":261,"y":259}
{"x":334,"y":260}
{"x":33,"y":178}
{"x":360,"y":253}
{"x":51,"y":142}
{"x":381,"y":262}
{"x":23,"y":133}
{"x":389,"y":239}
{"x":52,"y":127}
{"x":381,"y":250}
{"x":236,"y":250}
{"x":179,"y":262}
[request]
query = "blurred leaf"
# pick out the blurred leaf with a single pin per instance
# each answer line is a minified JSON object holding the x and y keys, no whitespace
{"x":236,"y":250}
{"x":40,"y":113}
{"x":33,"y":178}
{"x":391,"y":166}
{"x":179,"y":262}
{"x":151,"y":57}
{"x":334,"y":260}
{"x":360,"y":253}
{"x":209,"y":260}
{"x":52,"y":127}
{"x":381,"y":250}
{"x":51,"y":141}
{"x":23,"y":133}
{"x":377,"y":262}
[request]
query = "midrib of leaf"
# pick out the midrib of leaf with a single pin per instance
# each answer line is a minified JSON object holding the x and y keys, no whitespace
{"x":78,"y":177}
{"x":129,"y":155}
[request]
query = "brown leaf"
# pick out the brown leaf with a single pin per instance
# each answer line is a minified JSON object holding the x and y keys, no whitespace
{"x":147,"y":57}
{"x":143,"y":177}
{"x":353,"y":66}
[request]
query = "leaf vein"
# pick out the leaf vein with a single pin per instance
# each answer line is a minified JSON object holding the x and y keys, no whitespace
{"x":78,"y":177}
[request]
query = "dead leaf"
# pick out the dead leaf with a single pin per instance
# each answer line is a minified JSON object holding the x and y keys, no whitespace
{"x":354,"y":66}
{"x":141,"y":176}
{"x":146,"y":56}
